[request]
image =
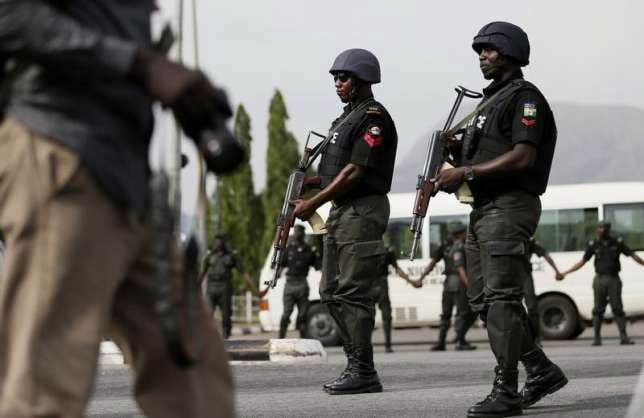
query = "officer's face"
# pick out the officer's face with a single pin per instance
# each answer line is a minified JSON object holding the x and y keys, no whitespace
{"x":602,"y":231}
{"x":492,"y":64}
{"x":344,"y":86}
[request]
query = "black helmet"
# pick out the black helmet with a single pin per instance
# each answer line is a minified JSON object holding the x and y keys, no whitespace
{"x":603,"y":224}
{"x":456,"y":228}
{"x":510,"y":40}
{"x":359,"y":62}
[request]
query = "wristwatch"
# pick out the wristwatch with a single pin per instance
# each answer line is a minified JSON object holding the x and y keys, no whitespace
{"x":469,"y":173}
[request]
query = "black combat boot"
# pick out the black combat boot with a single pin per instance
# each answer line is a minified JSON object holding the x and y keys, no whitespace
{"x":348,"y":352}
{"x":283,"y":328}
{"x":361,"y":376}
{"x":387,"y":330}
{"x":543,"y":377}
{"x":621,"y":326}
{"x":442,"y":335}
{"x":463,"y":345}
{"x":597,"y":327}
{"x":504,"y":401}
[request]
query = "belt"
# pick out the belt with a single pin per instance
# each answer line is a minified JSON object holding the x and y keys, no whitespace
{"x":344,"y":200}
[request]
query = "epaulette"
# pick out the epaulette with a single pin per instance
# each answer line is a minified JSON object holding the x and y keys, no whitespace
{"x":591,"y":243}
{"x":620,"y":239}
{"x":374,"y":110}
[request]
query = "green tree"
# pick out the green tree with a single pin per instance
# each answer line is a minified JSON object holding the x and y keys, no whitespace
{"x":282,"y":156}
{"x":239,"y":215}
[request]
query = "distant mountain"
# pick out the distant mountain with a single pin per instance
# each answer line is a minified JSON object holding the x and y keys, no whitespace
{"x":596,"y":143}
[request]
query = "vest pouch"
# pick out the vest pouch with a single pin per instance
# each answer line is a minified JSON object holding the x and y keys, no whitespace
{"x":470,"y":140}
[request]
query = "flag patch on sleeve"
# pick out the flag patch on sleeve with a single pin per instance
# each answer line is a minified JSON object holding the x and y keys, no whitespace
{"x":529,"y":114}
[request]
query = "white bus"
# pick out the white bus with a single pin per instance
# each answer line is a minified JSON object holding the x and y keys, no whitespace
{"x":568,"y":221}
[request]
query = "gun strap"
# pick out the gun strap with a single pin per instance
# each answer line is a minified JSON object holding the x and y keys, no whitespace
{"x":463,"y":122}
{"x":319,"y":148}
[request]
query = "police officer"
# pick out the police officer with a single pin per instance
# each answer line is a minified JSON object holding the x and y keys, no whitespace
{"x":381,"y":294}
{"x":454,"y":289}
{"x":505,"y":158}
{"x":531,"y":302}
{"x":607,"y":285}
{"x":355,"y":173}
{"x":218,"y":269}
{"x":298,"y":259}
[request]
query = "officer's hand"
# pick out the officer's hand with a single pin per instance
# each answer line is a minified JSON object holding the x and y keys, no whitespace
{"x":449,"y":180}
{"x":303,"y":209}
{"x":417,"y":284}
{"x":559,"y":276}
{"x":189,"y":93}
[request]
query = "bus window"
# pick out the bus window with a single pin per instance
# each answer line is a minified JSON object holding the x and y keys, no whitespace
{"x":399,"y":237}
{"x":567,"y":229}
{"x":438,"y":230}
{"x":627,"y":221}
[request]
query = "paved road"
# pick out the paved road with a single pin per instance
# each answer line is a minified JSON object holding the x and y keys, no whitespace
{"x":417,"y":383}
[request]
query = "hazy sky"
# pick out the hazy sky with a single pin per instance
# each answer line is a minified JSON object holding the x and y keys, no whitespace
{"x":582,"y":51}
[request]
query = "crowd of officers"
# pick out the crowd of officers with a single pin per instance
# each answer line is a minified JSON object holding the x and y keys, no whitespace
{"x":74,"y":211}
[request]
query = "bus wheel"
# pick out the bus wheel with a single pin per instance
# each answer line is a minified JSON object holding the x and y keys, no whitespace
{"x":559,"y":318}
{"x":321,"y":326}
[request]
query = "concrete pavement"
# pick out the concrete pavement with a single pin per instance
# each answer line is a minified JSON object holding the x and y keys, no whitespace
{"x":417,"y":383}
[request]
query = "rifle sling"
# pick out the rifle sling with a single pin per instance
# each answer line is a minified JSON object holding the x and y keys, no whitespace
{"x":319,"y":148}
{"x":463,"y":122}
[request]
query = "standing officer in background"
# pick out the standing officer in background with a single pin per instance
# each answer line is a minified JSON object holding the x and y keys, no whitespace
{"x":218,"y":270}
{"x":299,"y":258}
{"x":454,"y":289}
{"x":531,"y":302}
{"x":73,"y":207}
{"x":381,"y":294}
{"x":505,"y":159}
{"x":607,"y":285}
{"x":355,"y":173}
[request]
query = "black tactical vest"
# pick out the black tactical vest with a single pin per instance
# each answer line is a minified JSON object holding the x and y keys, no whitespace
{"x":338,"y":153}
{"x":484,"y":141}
{"x":607,"y":253}
{"x":221,"y":267}
{"x":299,"y":258}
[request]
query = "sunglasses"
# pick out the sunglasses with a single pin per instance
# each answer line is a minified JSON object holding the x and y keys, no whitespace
{"x":343,"y":77}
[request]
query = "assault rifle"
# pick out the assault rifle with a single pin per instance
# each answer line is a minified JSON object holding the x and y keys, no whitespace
{"x":434,"y":159}
{"x":295,"y":189}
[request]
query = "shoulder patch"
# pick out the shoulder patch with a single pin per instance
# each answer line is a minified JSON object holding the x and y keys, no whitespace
{"x":529,"y":114}
{"x":373,"y":136}
{"x":620,"y":239}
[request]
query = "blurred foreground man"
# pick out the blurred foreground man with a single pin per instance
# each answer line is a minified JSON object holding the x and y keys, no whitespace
{"x":454,"y":289}
{"x":355,"y":173}
{"x":506,"y":156}
{"x":607,"y":285}
{"x":73,"y":204}
{"x":300,"y":257}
